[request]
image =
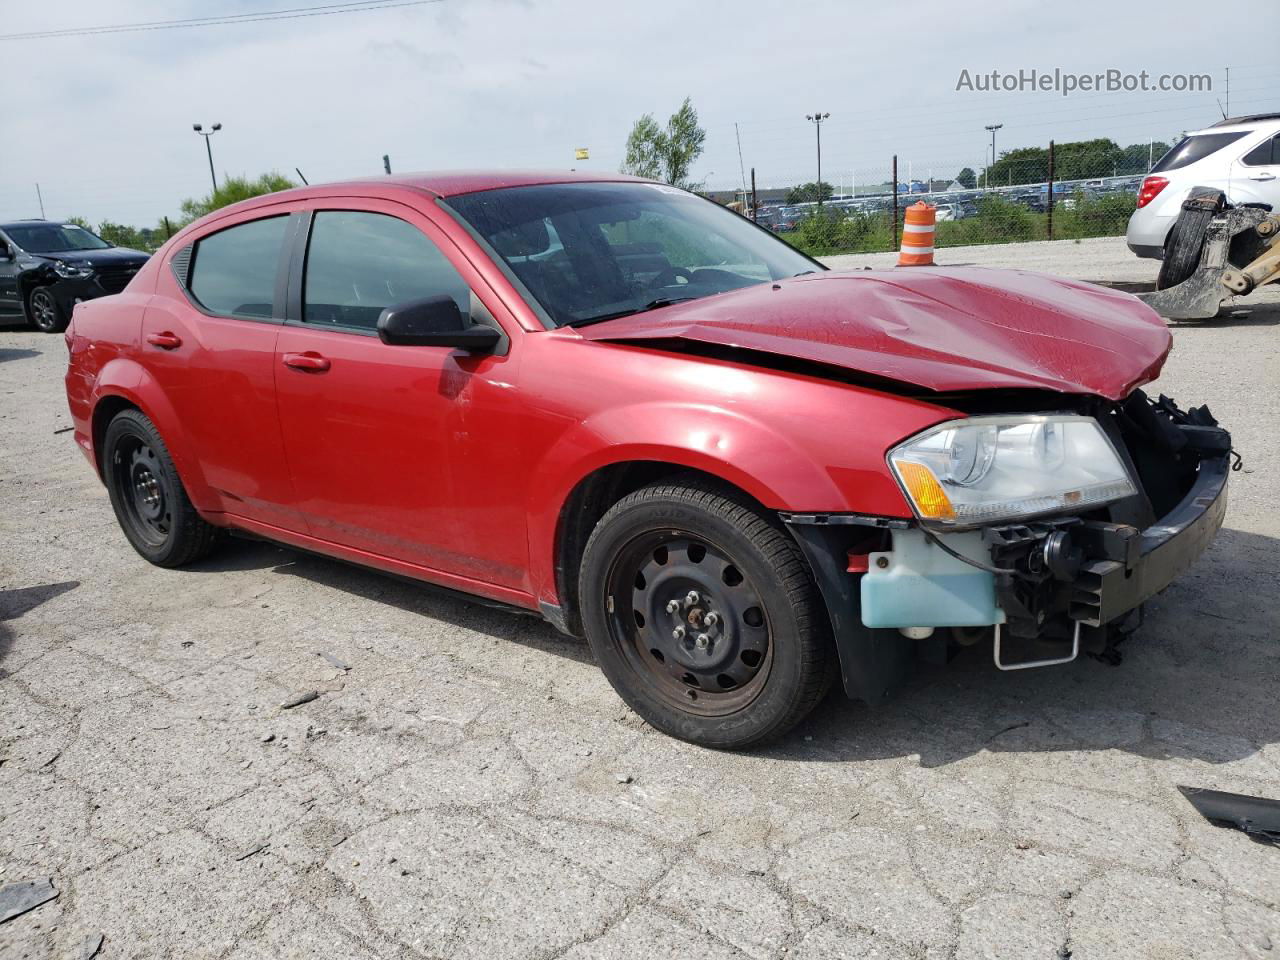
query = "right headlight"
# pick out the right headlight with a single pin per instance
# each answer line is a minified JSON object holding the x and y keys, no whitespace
{"x":72,"y":270}
{"x":985,"y":470}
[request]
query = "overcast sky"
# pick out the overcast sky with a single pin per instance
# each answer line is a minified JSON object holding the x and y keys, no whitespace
{"x":103,"y":122}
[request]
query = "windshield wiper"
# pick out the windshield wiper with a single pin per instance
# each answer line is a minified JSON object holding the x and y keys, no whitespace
{"x":651,"y":305}
{"x":803,"y":273}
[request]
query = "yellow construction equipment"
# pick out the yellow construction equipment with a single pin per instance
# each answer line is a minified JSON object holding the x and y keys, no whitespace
{"x":1215,"y":251}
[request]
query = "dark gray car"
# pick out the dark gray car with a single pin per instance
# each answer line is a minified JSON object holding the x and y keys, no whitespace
{"x":47,"y":267}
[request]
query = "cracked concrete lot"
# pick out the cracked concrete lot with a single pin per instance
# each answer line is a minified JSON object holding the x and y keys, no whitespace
{"x":472,"y":788}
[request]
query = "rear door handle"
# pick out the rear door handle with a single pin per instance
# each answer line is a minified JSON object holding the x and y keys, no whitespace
{"x":1263,"y":176}
{"x":164,"y":340}
{"x":306,"y":361}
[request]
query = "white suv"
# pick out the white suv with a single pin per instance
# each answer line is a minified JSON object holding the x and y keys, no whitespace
{"x":1240,"y":157}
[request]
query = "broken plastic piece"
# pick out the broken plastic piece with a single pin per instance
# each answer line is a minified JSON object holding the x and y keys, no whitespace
{"x":1257,"y":816}
{"x":334,"y":661}
{"x":17,"y":898}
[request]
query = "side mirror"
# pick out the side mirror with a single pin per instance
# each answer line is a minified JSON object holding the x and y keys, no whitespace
{"x":434,"y":322}
{"x":5,"y":252}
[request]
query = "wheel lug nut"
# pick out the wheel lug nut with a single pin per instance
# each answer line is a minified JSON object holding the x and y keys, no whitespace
{"x":703,"y":641}
{"x":711,"y":619}
{"x":673,"y":606}
{"x":678,"y":633}
{"x":691,"y":598}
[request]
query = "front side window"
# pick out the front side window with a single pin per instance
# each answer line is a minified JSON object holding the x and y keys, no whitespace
{"x":358,"y":264}
{"x":589,"y":252}
{"x":1264,"y":154}
{"x":233,"y":272}
{"x":1190,"y":149}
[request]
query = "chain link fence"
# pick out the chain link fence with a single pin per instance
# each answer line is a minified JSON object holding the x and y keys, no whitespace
{"x":1030,"y":194}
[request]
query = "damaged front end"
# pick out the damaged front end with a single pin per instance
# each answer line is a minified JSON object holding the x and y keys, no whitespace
{"x":1044,"y":564}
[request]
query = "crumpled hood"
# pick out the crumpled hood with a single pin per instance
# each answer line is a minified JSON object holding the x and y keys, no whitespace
{"x":941,"y":328}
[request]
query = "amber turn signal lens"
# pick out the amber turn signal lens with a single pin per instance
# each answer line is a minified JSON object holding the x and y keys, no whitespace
{"x":925,"y":490}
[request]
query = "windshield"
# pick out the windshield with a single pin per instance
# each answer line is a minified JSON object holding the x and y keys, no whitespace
{"x":588,"y":252}
{"x":54,"y":238}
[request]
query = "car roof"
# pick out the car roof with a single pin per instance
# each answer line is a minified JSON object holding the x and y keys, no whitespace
{"x":448,"y":183}
{"x":442,"y":184}
{"x":1247,"y":124}
{"x":27,"y":223}
{"x":1252,"y":118}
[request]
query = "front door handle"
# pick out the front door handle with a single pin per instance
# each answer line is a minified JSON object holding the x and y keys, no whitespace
{"x":306,"y":361}
{"x":164,"y":340}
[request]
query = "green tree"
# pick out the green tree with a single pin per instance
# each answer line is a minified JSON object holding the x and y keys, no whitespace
{"x":1135,"y":157}
{"x":1077,"y":160}
{"x":666,"y":154}
{"x":120,"y":235}
{"x":233,"y":190}
{"x":967,"y":178}
{"x":1021,"y":165}
{"x":809,"y":192}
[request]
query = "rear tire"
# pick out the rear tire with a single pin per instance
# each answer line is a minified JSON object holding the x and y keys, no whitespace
{"x":147,"y":495}
{"x":1183,"y":246}
{"x":704,"y":616}
{"x":43,"y":311}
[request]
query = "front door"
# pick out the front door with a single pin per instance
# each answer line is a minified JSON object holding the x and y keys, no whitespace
{"x":382,"y":439}
{"x":10,"y":304}
{"x":1255,"y":177}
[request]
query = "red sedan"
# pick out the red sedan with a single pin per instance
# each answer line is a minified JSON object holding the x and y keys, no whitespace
{"x":738,"y":474}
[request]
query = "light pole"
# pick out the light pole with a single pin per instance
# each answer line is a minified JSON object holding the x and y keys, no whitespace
{"x":208,"y":149}
{"x":816,"y":119}
{"x":993,"y":127}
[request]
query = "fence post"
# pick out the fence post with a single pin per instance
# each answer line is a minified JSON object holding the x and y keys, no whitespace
{"x":1050,"y":190}
{"x":755,"y":206}
{"x":895,"y":201}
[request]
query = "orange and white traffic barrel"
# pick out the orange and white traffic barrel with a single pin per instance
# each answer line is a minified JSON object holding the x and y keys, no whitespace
{"x":917,"y":236}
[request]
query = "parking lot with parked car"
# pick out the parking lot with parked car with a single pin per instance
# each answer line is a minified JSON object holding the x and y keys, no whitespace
{"x":386,"y":769}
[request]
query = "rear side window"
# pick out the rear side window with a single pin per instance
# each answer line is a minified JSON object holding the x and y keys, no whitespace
{"x":233,"y":272}
{"x":1190,"y":149}
{"x":360,"y":263}
{"x":1264,"y":154}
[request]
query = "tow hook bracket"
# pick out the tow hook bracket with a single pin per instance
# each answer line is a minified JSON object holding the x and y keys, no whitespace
{"x":1028,"y":664}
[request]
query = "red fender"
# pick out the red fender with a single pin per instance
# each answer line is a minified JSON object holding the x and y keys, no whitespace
{"x":126,"y":378}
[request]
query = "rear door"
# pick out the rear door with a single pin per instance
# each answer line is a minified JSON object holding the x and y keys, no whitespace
{"x":209,"y":337}
{"x":405,"y":452}
{"x":1255,"y":177}
{"x":10,"y":305}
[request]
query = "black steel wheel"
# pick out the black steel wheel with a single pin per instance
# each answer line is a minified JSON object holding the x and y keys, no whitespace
{"x":148,"y":503}
{"x":696,"y":626}
{"x":704,"y":617}
{"x":43,"y":311}
{"x":147,"y":495}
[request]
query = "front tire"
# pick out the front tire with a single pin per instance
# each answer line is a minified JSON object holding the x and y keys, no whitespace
{"x":43,"y":311}
{"x":150,"y":503}
{"x":704,"y":617}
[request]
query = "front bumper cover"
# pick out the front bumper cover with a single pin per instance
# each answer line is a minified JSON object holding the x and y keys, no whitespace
{"x":1059,"y":574}
{"x":1128,"y":566}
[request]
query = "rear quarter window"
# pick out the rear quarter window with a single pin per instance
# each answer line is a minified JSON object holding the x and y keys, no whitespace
{"x":233,"y":271}
{"x":1190,"y":149}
